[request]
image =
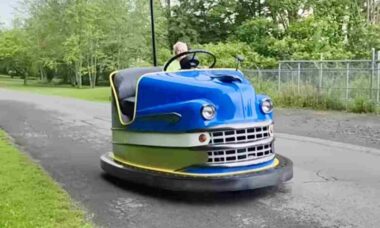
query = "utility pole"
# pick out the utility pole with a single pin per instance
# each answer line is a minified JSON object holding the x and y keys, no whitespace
{"x":168,"y":5}
{"x":368,"y":11}
{"x":153,"y":33}
{"x":168,"y":15}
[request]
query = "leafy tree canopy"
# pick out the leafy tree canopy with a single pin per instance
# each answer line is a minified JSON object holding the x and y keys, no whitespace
{"x":82,"y":41}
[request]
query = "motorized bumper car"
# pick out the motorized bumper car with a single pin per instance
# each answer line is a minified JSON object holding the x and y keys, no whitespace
{"x":192,"y":130}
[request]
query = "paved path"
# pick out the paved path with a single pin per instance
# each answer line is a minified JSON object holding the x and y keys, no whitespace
{"x":335,"y":184}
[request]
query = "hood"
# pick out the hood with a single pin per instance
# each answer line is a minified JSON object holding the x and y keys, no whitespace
{"x":184,"y":93}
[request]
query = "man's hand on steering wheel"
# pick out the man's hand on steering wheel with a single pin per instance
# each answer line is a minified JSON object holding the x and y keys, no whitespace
{"x":191,"y":62}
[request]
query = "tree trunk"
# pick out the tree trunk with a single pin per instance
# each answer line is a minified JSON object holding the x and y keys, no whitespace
{"x":79,"y":74}
{"x":89,"y":70}
{"x":94,"y":76}
{"x":25,"y":79}
{"x":41,"y":73}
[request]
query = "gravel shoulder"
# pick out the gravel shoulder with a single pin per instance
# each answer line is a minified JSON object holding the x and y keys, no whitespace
{"x":357,"y":129}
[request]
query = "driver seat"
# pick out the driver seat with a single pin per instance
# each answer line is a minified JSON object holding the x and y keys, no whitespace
{"x":188,"y":63}
{"x":126,"y":85}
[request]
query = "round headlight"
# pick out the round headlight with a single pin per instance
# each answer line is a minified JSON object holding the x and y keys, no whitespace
{"x":208,"y":112}
{"x":267,"y":105}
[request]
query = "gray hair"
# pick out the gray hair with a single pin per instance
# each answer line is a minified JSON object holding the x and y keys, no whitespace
{"x":179,"y":48}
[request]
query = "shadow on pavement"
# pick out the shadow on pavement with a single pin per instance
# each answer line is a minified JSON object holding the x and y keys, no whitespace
{"x":200,"y":198}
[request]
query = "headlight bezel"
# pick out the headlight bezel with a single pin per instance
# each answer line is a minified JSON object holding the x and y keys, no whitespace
{"x":266,"y":105}
{"x":208,"y":112}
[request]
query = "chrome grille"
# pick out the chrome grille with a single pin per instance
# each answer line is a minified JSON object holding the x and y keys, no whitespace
{"x":225,"y":156}
{"x":239,"y":135}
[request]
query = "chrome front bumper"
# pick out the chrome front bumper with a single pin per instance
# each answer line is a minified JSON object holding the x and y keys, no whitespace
{"x":240,"y":144}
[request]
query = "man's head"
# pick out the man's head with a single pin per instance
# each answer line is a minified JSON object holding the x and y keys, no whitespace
{"x":179,"y":48}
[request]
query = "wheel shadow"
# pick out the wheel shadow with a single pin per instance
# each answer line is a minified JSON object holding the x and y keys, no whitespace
{"x":200,"y":198}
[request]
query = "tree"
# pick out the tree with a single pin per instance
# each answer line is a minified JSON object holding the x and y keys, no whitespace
{"x":82,"y":41}
{"x":14,"y":52}
{"x":202,"y":21}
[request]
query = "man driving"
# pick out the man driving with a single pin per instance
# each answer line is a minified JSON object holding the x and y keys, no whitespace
{"x":181,"y":62}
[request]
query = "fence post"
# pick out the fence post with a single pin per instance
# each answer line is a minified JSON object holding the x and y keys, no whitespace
{"x":279,"y":77}
{"x":378,"y":77}
{"x":372,"y":73}
{"x":320,"y":76}
{"x":378,"y":83}
{"x":347,"y":81}
{"x":298,"y":77}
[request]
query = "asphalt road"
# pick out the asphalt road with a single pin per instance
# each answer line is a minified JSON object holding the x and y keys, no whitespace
{"x":335,"y":184}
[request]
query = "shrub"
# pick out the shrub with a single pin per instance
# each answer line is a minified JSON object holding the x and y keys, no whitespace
{"x":225,"y":53}
{"x":362,"y":105}
{"x":310,"y":97}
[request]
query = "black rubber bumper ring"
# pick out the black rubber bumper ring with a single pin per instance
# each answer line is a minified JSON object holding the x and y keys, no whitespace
{"x":259,"y":179}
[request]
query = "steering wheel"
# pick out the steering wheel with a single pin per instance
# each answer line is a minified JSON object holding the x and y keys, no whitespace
{"x":193,"y":61}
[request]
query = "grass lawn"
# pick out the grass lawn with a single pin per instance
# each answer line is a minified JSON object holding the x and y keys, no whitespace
{"x":97,"y":94}
{"x":29,"y":197}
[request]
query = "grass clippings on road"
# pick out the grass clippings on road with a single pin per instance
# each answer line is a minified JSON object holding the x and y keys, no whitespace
{"x":101,"y":94}
{"x":29,"y":197}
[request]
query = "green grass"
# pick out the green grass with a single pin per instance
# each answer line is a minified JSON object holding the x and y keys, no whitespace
{"x":29,"y":197}
{"x":101,"y":94}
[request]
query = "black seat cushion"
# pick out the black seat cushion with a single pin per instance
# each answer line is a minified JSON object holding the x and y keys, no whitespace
{"x":126,"y":84}
{"x":128,"y":106}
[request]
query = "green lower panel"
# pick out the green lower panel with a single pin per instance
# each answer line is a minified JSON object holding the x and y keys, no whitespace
{"x":159,"y":157}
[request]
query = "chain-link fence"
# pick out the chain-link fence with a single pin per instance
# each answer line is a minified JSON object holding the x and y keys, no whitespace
{"x":343,"y":80}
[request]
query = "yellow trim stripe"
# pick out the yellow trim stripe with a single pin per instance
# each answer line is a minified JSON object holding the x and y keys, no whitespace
{"x":117,"y":99}
{"x":168,"y":171}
